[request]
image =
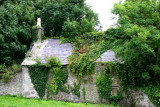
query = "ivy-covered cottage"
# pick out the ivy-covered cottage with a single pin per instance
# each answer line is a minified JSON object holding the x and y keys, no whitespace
{"x":48,"y":72}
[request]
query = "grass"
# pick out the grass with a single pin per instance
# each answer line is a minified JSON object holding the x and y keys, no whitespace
{"x":10,"y":101}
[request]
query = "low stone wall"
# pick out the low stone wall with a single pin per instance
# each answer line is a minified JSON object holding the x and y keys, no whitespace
{"x":21,"y":84}
{"x":13,"y":87}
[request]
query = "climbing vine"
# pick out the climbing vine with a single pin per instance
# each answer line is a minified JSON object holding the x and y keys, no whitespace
{"x":104,"y":84}
{"x":87,"y":49}
{"x":39,"y":77}
{"x":59,"y":75}
{"x":84,"y":92}
{"x":75,"y":89}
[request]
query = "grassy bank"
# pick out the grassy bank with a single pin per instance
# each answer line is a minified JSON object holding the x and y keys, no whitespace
{"x":8,"y":101}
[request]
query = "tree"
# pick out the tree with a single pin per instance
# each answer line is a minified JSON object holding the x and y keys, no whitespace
{"x":16,"y":22}
{"x":139,"y":24}
{"x":56,"y":12}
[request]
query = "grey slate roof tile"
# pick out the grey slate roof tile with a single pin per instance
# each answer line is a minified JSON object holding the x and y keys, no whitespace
{"x":54,"y":48}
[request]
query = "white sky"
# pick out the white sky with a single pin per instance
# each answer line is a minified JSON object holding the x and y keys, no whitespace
{"x":103,"y":8}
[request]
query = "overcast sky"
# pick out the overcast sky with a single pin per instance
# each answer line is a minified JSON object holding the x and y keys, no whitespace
{"x":103,"y":8}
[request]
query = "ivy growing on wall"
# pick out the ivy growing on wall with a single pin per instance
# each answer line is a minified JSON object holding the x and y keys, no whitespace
{"x":84,"y":92}
{"x":59,"y":76}
{"x":75,"y":89}
{"x":39,"y":77}
{"x":104,"y":84}
{"x":87,"y":49}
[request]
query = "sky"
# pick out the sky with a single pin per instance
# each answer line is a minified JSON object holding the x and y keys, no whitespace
{"x":103,"y":9}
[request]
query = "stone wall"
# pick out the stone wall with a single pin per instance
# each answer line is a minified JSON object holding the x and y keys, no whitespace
{"x":13,"y":87}
{"x":135,"y":98}
{"x":21,"y":84}
{"x":27,"y":86}
{"x":90,"y":89}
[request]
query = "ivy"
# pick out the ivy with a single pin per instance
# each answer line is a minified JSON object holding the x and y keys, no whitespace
{"x":104,"y":84}
{"x":84,"y":92}
{"x":75,"y":89}
{"x":39,"y":77}
{"x":59,"y":76}
{"x":87,"y":49}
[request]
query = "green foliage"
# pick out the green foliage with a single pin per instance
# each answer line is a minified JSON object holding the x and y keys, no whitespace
{"x":136,"y":41}
{"x":39,"y":77}
{"x":59,"y":75}
{"x":16,"y":21}
{"x":153,"y":93}
{"x":75,"y":89}
{"x":7,"y":72}
{"x":61,"y":19}
{"x":6,"y":77}
{"x":140,"y":35}
{"x":84,"y":92}
{"x":2,"y":68}
{"x":116,"y":99}
{"x":87,"y":49}
{"x":73,"y":28}
{"x":104,"y":84}
{"x":16,"y":68}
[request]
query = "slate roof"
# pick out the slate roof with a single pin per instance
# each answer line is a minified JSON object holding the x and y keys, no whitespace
{"x":52,"y":47}
{"x":107,"y":56}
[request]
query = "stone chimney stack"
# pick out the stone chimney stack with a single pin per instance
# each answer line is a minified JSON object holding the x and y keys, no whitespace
{"x":39,"y":30}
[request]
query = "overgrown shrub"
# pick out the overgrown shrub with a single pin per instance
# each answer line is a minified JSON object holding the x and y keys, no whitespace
{"x":6,"y":77}
{"x":104,"y":86}
{"x":7,"y":72}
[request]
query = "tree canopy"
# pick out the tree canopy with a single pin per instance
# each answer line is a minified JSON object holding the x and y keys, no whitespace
{"x":137,"y":42}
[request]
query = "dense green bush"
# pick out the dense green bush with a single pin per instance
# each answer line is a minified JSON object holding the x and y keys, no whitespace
{"x":16,"y":21}
{"x":140,"y":47}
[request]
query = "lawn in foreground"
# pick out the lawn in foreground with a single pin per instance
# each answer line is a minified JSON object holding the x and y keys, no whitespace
{"x":8,"y":101}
